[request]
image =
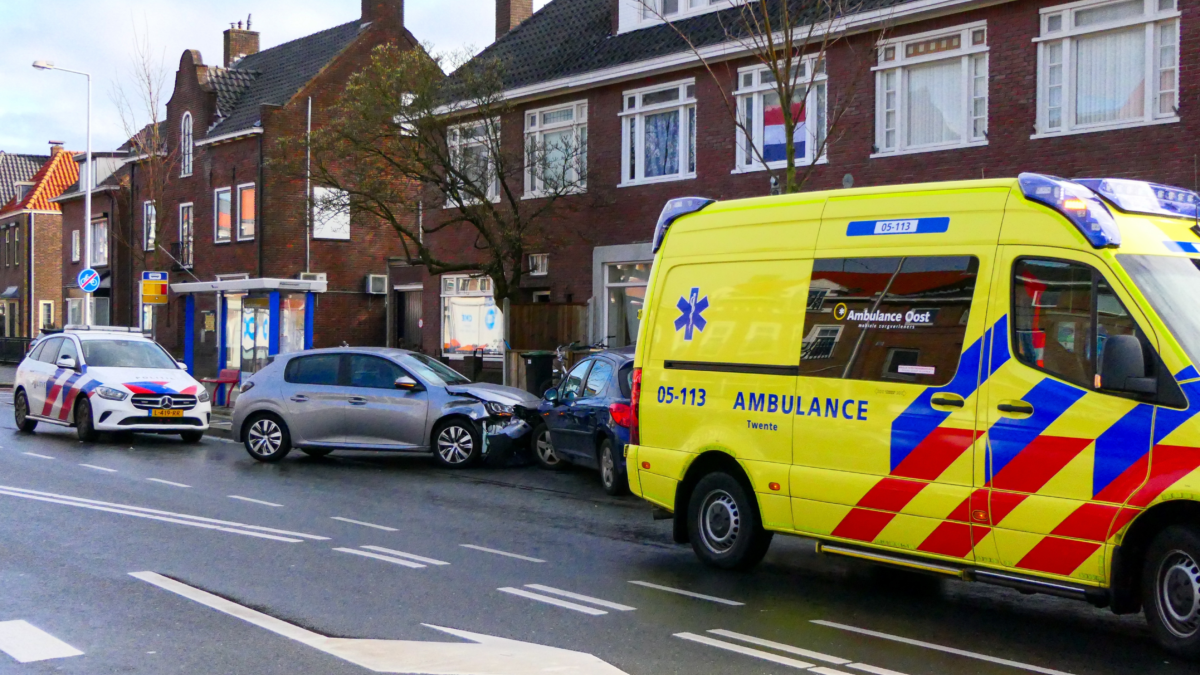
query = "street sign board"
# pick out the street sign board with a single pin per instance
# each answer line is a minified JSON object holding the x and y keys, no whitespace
{"x":154,"y":288}
{"x":89,"y":280}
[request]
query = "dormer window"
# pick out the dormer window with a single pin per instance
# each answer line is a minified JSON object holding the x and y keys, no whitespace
{"x":656,"y":11}
{"x":23,"y":190}
{"x":186,"y":145}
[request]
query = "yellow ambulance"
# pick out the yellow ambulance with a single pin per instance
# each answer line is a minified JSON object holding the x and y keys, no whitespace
{"x":992,"y":380}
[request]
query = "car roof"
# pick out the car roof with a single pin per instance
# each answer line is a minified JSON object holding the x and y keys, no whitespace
{"x":101,"y":335}
{"x":376,"y":351}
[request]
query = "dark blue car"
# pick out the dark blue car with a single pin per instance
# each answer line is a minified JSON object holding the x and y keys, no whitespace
{"x":587,"y":418}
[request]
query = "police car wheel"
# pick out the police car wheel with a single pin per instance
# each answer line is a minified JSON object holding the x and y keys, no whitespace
{"x":611,"y":476}
{"x":191,"y":436}
{"x":456,"y":444}
{"x":85,"y":428}
{"x":21,"y":413}
{"x":543,"y":450}
{"x":1171,"y":590}
{"x":724,"y":524}
{"x":267,"y":438}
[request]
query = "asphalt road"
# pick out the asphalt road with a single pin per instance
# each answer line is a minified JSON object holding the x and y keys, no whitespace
{"x":65,"y":569}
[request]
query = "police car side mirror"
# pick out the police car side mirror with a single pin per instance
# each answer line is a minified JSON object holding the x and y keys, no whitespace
{"x":66,"y":362}
{"x":1123,"y":368}
{"x":181,"y":365}
{"x":551,"y":396}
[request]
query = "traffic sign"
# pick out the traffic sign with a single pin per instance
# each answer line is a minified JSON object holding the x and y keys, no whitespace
{"x":154,"y":288}
{"x":89,"y":280}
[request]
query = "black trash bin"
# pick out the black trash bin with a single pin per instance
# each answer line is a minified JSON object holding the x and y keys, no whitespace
{"x":539,"y":372}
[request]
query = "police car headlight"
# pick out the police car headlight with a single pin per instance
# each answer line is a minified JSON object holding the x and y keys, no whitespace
{"x":499,"y":408}
{"x":203,"y":397}
{"x":111,"y":394}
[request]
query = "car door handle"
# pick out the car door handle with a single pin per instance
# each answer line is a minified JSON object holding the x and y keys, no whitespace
{"x":1015,"y":407}
{"x":357,"y":400}
{"x":948,"y":400}
{"x":300,"y":398}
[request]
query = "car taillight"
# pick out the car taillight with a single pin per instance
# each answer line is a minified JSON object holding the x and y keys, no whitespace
{"x":622,"y":414}
{"x":635,"y":400}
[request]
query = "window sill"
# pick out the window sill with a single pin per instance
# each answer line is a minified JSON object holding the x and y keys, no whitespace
{"x":759,"y":168}
{"x":450,"y":207}
{"x":222,"y":242}
{"x":918,"y":151}
{"x":544,"y":195}
{"x":655,"y":181}
{"x":1115,"y":127}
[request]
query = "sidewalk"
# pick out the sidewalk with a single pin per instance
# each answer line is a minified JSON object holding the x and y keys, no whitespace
{"x":8,"y":374}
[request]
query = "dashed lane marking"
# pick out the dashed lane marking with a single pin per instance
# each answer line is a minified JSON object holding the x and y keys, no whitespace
{"x":27,"y":643}
{"x":690,"y":594}
{"x":34,"y":454}
{"x":395,"y":561}
{"x":99,"y":468}
{"x":786,"y":649}
{"x":553,"y":601}
{"x":503,"y":553}
{"x":779,"y":646}
{"x":359,"y":522}
{"x":747,"y":651}
{"x":167,"y":482}
{"x":582,"y":598}
{"x":402,"y":554}
{"x":254,"y":501}
{"x":940,"y":648}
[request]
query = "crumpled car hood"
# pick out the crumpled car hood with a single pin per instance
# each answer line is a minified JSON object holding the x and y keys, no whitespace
{"x":496,"y":393}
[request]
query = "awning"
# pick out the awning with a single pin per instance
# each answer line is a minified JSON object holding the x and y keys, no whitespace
{"x":10,"y":292}
{"x":248,"y":285}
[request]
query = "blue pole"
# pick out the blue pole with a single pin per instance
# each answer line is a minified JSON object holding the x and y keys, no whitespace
{"x":310,"y":309}
{"x":276,"y":322}
{"x":222,"y":356}
{"x":189,"y":334}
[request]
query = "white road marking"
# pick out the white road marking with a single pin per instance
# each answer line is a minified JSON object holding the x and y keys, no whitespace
{"x":552,"y":601}
{"x":396,"y":561}
{"x":872,"y":669}
{"x":99,"y":468}
{"x":940,"y":648}
{"x":778,"y":646}
{"x":504,"y":553}
{"x":581,"y":598}
{"x":167,"y":482}
{"x":164,"y":516}
{"x":34,"y":454}
{"x":822,"y":670}
{"x":254,"y":501}
{"x":739,"y":649}
{"x":402,"y":554}
{"x":27,"y":643}
{"x":359,"y":522}
{"x":698,"y":596}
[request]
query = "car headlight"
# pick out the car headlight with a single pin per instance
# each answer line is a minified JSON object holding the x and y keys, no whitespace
{"x":204,"y":397}
{"x":111,"y":394}
{"x":499,"y":409}
{"x":247,"y":386}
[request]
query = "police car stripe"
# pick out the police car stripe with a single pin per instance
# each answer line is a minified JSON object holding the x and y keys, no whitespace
{"x":68,"y":396}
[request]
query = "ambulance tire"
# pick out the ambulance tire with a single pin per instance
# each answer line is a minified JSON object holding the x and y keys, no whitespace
{"x":724,"y":524}
{"x":85,"y":427}
{"x":1171,"y":590}
{"x":21,"y":413}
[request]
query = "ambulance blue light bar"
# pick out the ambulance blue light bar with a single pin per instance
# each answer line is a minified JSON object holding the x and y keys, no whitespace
{"x":1079,"y":204}
{"x":1135,"y":196}
{"x":674,"y":210}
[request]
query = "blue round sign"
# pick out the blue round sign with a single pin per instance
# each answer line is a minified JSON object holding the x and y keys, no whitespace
{"x":89,"y":280}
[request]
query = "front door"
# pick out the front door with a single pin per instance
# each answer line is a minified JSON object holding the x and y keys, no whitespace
{"x":588,"y":412}
{"x":1062,"y":456}
{"x":315,"y":401}
{"x":565,"y":426}
{"x":378,"y":414}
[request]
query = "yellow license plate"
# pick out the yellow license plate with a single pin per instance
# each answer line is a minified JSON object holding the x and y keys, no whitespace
{"x":166,"y":413}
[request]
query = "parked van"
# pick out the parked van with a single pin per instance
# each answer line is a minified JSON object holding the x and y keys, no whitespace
{"x":991,"y":380}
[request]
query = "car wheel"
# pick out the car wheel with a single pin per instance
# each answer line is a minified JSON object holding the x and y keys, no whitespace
{"x":191,"y":436}
{"x":456,"y":444}
{"x":614,"y":480}
{"x":85,"y":427}
{"x":1171,"y":590}
{"x":316,"y":452}
{"x":21,"y":413}
{"x":543,"y":450}
{"x":267,"y":438}
{"x":723,"y":521}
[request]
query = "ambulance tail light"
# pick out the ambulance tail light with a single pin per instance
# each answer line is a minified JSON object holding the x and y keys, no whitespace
{"x":622,"y":414}
{"x":1079,"y":204}
{"x":675,"y":209}
{"x":635,"y":401}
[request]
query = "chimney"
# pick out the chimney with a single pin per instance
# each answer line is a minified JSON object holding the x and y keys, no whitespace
{"x":380,"y":10}
{"x":239,"y":42}
{"x":510,"y":14}
{"x":55,"y":148}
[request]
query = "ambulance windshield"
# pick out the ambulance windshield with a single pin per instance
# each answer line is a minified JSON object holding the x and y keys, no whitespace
{"x":1170,"y":284}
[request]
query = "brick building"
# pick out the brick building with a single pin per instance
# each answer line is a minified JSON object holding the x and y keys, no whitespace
{"x":16,"y":172}
{"x":30,"y":237}
{"x":951,"y":89}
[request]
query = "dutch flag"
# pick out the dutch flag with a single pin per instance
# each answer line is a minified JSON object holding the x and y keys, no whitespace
{"x":774,"y":135}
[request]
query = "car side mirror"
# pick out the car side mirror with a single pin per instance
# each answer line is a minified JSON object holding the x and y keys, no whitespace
{"x":406,"y":383}
{"x":1123,"y":368}
{"x":182,"y":365}
{"x":551,"y":396}
{"x":67,"y":362}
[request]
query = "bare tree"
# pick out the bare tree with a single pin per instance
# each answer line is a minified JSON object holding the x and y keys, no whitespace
{"x":425,"y":154}
{"x":790,"y":39}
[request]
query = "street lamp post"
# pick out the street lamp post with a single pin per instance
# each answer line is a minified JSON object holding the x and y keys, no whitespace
{"x":87,"y":182}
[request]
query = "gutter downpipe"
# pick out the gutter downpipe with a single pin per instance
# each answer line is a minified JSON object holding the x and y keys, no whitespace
{"x":258,"y":201}
{"x":308,"y":191}
{"x":33,"y":309}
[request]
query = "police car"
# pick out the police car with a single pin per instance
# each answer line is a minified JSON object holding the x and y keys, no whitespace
{"x":108,"y":379}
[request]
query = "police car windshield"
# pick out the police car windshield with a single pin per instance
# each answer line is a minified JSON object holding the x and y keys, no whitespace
{"x":126,"y":354}
{"x":1170,"y":285}
{"x":435,"y":370}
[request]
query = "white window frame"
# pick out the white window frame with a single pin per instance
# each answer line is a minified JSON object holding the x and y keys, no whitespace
{"x":486,"y":290}
{"x":454,"y":139}
{"x":149,"y":225}
{"x":187,"y":145}
{"x":74,"y":308}
{"x":893,"y":61}
{"x":76,"y":248}
{"x":539,"y":264}
{"x":42,"y":306}
{"x":536,"y":127}
{"x":750,"y":92}
{"x":99,"y":244}
{"x":633,"y":132}
{"x":650,"y":10}
{"x":236,"y":216}
{"x":187,"y":249}
{"x":1152,"y":19}
{"x":216,"y":212}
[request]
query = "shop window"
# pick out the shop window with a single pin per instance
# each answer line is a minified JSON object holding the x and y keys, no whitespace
{"x":625,"y":291}
{"x":471,"y":320}
{"x":292,"y":324}
{"x":888,"y":319}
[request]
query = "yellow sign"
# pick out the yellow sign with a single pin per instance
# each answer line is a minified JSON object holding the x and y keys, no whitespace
{"x":154,"y":292}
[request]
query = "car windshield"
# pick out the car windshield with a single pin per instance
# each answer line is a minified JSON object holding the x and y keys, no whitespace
{"x":432,"y":369}
{"x":126,"y":354}
{"x":1170,"y":284}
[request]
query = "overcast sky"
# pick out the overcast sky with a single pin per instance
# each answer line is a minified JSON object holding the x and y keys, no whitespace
{"x":39,"y":106}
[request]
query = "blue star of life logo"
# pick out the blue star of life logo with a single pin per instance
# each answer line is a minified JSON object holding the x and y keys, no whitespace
{"x":691,"y":316}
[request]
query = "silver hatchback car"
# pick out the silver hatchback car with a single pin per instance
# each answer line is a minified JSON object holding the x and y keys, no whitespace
{"x":378,"y":399}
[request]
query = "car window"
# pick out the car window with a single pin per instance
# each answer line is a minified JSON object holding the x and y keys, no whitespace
{"x":36,"y":353}
{"x":598,"y":379}
{"x":319,"y":369}
{"x":434,"y":370}
{"x":49,"y":353}
{"x":127,"y":354}
{"x":372,"y":372}
{"x":68,"y":349}
{"x":573,"y":383}
{"x":625,"y":380}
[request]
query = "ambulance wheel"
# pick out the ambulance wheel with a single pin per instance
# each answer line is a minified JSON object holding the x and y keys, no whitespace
{"x":85,"y":428}
{"x":21,"y":413}
{"x":723,"y":521}
{"x":1171,"y":590}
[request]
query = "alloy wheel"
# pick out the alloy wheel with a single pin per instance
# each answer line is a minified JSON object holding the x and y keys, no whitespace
{"x":22,"y":409}
{"x":1179,"y":594}
{"x":608,"y":469}
{"x":721,"y":521}
{"x":455,"y":444}
{"x":265,"y":437}
{"x":545,"y":449}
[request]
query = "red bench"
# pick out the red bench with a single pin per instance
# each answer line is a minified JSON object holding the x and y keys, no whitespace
{"x":228,"y":376}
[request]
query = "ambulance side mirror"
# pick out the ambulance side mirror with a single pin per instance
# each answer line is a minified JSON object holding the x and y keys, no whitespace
{"x":1123,"y":368}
